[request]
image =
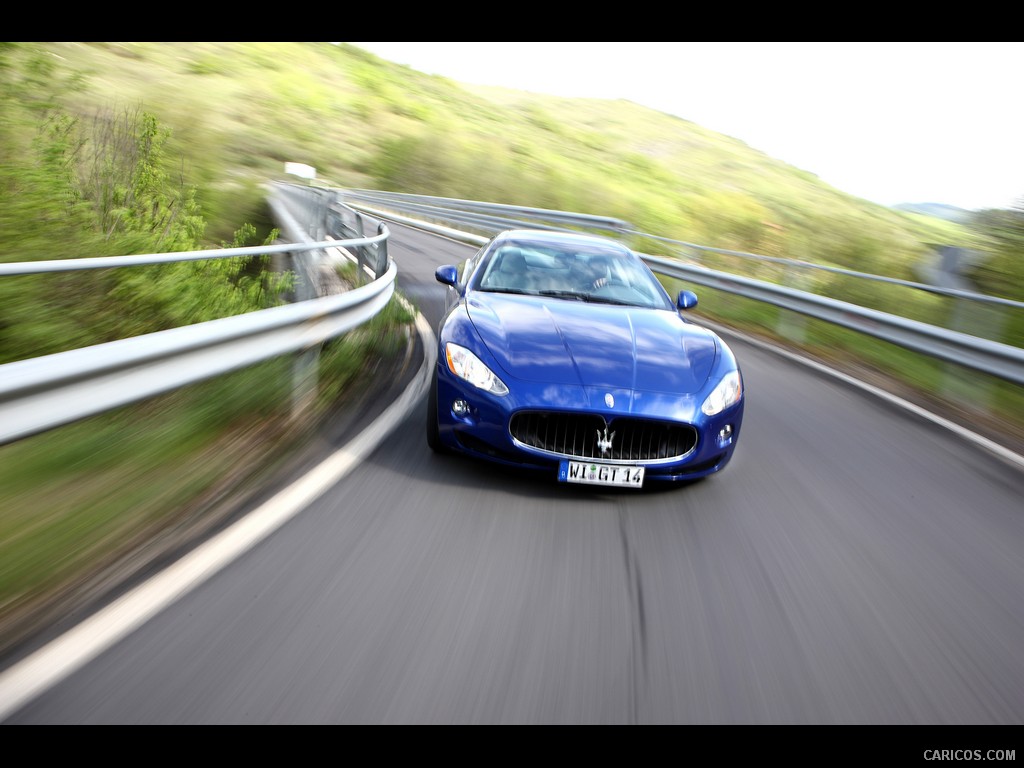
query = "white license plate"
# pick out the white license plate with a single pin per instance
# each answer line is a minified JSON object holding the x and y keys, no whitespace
{"x":592,"y":473}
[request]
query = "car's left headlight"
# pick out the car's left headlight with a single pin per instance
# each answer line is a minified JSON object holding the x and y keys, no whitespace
{"x":728,"y":392}
{"x":469,"y":367}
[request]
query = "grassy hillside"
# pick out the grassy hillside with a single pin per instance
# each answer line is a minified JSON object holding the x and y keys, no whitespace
{"x":239,"y":111}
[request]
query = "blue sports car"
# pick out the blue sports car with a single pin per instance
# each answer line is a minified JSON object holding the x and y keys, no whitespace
{"x":563,"y":352}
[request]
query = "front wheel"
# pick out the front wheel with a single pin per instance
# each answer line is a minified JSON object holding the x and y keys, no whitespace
{"x":433,"y":434}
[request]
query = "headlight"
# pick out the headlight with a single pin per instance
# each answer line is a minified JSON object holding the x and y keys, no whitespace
{"x":468,"y":367}
{"x":728,"y":392}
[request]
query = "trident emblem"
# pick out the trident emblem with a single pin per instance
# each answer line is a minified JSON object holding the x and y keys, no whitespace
{"x":604,"y":441}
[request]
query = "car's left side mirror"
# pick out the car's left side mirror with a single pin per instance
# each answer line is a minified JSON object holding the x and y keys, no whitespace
{"x":686,"y":300}
{"x":448,"y":274}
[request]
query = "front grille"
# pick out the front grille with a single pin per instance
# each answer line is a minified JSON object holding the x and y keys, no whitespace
{"x":581,"y":435}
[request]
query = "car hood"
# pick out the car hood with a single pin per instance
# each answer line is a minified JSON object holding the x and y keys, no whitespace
{"x":554,"y":341}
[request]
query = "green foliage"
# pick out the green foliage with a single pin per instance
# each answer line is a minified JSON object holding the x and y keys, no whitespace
{"x":1002,"y":273}
{"x":103,"y":187}
{"x":362,"y":121}
{"x":124,"y":176}
{"x":209,"y":65}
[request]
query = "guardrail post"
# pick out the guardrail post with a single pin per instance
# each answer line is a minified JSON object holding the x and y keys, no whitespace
{"x":984,"y":321}
{"x":305,"y":381}
{"x":793,"y":325}
{"x":382,"y":254}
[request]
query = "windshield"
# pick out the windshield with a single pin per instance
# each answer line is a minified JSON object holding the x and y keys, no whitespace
{"x":572,"y":273}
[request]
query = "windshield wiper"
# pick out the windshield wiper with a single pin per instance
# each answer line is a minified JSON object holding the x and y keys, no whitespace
{"x":519,"y":291}
{"x":566,"y":295}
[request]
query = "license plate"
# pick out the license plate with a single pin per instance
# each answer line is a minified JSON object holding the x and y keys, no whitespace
{"x":592,"y":473}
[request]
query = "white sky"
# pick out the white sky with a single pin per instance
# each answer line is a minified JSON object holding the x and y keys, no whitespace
{"x":888,"y":122}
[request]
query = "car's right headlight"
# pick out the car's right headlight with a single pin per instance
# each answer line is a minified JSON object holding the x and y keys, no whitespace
{"x":469,"y":367}
{"x":728,"y":392}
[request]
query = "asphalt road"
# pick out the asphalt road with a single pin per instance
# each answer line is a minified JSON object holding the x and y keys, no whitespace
{"x":854,"y":564}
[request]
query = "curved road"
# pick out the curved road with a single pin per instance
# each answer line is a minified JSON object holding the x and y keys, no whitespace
{"x":854,"y":564}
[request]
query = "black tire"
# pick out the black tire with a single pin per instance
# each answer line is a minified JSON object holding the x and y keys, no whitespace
{"x":433,"y":434}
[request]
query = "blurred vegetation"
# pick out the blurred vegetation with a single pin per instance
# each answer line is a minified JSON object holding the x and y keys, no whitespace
{"x":115,"y":491}
{"x":239,"y":111}
{"x":102,"y":185}
{"x":109,"y":149}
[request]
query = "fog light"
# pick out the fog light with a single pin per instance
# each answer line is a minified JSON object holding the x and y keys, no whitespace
{"x":725,"y":435}
{"x":460,"y":408}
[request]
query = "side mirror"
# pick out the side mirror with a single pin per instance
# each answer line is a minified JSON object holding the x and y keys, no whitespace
{"x":448,"y":274}
{"x":686,"y":300}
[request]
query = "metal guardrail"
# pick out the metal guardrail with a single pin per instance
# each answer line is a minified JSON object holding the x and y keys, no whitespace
{"x":994,"y":358}
{"x":46,"y":392}
{"x":117,"y":262}
{"x":795,"y":263}
{"x":486,"y":217}
{"x":991,"y":357}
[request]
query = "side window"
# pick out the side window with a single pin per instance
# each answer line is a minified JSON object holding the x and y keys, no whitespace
{"x":467,"y":267}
